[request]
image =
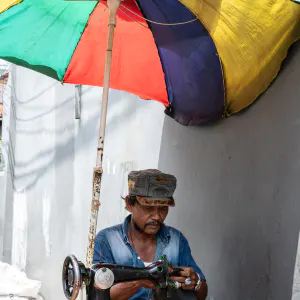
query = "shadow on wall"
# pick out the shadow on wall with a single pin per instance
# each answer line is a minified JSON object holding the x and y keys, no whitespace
{"x":29,"y":169}
{"x":238,"y":192}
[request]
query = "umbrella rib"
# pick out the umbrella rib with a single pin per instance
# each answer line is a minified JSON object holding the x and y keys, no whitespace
{"x":148,"y":20}
{"x":133,"y":18}
{"x":158,"y":23}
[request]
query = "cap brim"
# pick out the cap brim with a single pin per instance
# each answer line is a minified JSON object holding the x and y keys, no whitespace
{"x":156,"y":201}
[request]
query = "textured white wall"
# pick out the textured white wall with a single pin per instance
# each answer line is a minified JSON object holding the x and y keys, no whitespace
{"x":54,"y":156}
{"x":6,"y":174}
{"x":238,"y":192}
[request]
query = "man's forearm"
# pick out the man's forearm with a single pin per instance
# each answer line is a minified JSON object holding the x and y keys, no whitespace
{"x":125,"y":290}
{"x":201,"y":294}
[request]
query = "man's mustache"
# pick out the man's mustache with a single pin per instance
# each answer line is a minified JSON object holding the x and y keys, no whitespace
{"x":153,"y":223}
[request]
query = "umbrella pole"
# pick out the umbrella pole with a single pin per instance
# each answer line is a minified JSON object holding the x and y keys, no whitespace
{"x":113,"y":6}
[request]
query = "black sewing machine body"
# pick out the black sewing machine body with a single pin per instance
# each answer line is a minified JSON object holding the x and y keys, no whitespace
{"x":99,"y":278}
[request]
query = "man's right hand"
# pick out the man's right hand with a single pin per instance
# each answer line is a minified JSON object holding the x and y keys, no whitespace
{"x":148,"y":284}
{"x":125,"y":290}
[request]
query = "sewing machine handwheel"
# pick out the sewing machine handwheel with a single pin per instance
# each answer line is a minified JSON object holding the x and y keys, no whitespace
{"x":71,"y":277}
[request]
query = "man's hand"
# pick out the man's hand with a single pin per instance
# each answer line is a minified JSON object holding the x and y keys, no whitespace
{"x":125,"y":290}
{"x":148,"y":284}
{"x":184,"y":274}
{"x":201,"y":294}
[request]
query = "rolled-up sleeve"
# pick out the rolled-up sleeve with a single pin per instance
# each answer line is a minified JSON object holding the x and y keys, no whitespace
{"x":185,"y":257}
{"x":102,"y":251}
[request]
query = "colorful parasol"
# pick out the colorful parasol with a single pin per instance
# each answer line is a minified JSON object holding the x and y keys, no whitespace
{"x":180,"y":66}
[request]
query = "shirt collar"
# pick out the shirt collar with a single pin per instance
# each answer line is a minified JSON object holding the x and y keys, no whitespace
{"x":163,"y":233}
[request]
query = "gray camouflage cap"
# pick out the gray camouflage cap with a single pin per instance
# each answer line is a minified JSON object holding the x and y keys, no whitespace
{"x":152,"y":187}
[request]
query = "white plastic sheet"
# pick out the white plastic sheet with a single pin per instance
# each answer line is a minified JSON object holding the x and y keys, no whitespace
{"x":14,"y":284}
{"x":12,"y":297}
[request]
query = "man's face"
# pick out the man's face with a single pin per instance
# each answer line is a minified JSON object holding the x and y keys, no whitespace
{"x":148,"y":218}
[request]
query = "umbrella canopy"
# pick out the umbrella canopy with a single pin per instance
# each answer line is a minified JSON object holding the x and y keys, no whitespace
{"x":178,"y":65}
{"x":175,"y":65}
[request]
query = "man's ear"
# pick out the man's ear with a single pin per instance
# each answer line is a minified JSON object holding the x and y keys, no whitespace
{"x":128,"y":206}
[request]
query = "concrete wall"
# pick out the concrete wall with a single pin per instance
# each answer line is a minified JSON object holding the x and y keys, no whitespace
{"x":238,"y":194}
{"x":2,"y":213}
{"x":48,"y":203}
{"x":7,"y":174}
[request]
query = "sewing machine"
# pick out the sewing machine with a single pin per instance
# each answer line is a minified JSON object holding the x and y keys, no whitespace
{"x":99,"y":278}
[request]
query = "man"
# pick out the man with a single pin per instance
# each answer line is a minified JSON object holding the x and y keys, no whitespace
{"x":143,"y":239}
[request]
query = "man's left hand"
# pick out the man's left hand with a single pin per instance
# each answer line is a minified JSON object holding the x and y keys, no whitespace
{"x":184,"y":274}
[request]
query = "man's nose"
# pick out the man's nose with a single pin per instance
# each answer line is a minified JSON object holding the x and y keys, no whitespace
{"x":156,"y":215}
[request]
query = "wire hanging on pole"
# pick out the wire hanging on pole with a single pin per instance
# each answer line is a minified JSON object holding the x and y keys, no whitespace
{"x":157,"y":23}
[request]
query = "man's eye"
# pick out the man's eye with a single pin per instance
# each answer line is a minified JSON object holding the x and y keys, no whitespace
{"x":148,"y":208}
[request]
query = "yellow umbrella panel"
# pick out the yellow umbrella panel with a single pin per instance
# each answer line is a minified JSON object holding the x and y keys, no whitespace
{"x":252,"y":39}
{"x":6,"y":4}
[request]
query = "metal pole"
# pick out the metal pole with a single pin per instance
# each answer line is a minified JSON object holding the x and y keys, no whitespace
{"x":113,"y":6}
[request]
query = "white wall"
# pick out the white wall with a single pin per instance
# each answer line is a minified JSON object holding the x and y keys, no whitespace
{"x":7,"y":173}
{"x":238,"y":193}
{"x":54,"y":156}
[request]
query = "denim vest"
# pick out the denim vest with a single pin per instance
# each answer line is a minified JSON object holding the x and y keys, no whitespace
{"x":112,"y":246}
